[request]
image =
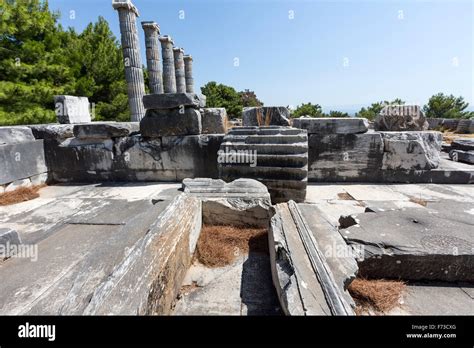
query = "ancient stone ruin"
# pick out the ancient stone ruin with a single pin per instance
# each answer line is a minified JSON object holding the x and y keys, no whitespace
{"x":175,"y":214}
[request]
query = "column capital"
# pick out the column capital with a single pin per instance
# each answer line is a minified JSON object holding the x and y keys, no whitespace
{"x":188,"y":57}
{"x":178,"y":50}
{"x":127,"y":4}
{"x":151,"y":25}
{"x":166,"y":39}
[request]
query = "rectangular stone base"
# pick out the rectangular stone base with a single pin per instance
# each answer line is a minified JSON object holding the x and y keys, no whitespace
{"x":174,"y":100}
{"x":159,"y":123}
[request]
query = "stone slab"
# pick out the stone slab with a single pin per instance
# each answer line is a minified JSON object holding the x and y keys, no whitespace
{"x":413,"y":245}
{"x":15,"y":135}
{"x":462,"y":156}
{"x":243,"y":188}
{"x":21,"y":161}
{"x":71,"y":109}
{"x":52,"y":131}
{"x":327,"y":125}
{"x":104,"y":130}
{"x":463,"y":144}
{"x":159,"y":123}
{"x":266,"y":116}
{"x":174,"y":100}
{"x":214,"y":120}
{"x":401,"y":118}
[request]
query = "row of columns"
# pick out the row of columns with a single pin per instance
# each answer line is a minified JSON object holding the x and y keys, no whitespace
{"x":173,"y":76}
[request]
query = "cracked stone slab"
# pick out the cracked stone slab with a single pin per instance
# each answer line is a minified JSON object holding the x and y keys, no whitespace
{"x":412,"y":245}
{"x":174,"y":100}
{"x":328,"y":125}
{"x":104,"y":130}
{"x":15,"y":135}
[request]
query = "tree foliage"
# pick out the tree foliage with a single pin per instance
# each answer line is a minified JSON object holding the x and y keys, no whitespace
{"x":308,"y":109}
{"x":372,"y":111}
{"x":222,"y":96}
{"x":249,"y":98}
{"x":39,"y":59}
{"x":444,"y":106}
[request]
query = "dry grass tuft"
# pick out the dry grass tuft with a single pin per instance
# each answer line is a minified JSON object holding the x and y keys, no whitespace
{"x":219,"y":245}
{"x":21,"y":194}
{"x":379,"y":295}
{"x":419,"y":201}
{"x":345,"y":196}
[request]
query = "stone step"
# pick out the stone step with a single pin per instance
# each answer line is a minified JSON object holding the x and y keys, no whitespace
{"x":294,"y":161}
{"x":281,"y":195}
{"x":231,"y":172}
{"x":274,"y":149}
{"x":267,"y":139}
{"x":285,"y":184}
{"x":265,"y":131}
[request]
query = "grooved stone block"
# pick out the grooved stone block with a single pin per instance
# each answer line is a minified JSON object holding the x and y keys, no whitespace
{"x":174,"y":100}
{"x":104,"y":130}
{"x":266,"y":116}
{"x":326,"y":125}
{"x":158,"y":123}
{"x":214,"y":120}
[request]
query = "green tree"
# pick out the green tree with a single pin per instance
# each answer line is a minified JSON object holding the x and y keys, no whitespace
{"x":308,"y":109}
{"x":372,"y":111}
{"x":444,"y":106}
{"x":222,"y":96}
{"x":336,"y":114}
{"x":249,"y":98}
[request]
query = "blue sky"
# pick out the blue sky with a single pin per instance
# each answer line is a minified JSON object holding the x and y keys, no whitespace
{"x":340,"y":54}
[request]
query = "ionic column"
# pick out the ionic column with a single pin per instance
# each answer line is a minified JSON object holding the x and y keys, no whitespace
{"x":169,"y":78}
{"x":188,"y":72}
{"x":179,"y":70}
{"x":128,"y":14}
{"x":152,"y":31}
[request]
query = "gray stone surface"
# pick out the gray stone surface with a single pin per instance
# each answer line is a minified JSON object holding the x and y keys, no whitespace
{"x":169,"y":76}
{"x":327,"y":125}
{"x":411,"y":150}
{"x":401,"y":118}
{"x":22,"y":160}
{"x":128,"y":14}
{"x":15,"y":135}
{"x":188,"y":71}
{"x":464,"y":126}
{"x":216,"y":188}
{"x":266,"y":116}
{"x":463,"y":144}
{"x":158,"y":123}
{"x":179,"y":70}
{"x":174,"y":100}
{"x":71,"y":109}
{"x":52,"y":131}
{"x":413,"y":245}
{"x":462,"y":156}
{"x":153,"y":60}
{"x":8,"y":237}
{"x":214,"y":120}
{"x":345,"y":157}
{"x":104,"y":130}
{"x":17,"y":184}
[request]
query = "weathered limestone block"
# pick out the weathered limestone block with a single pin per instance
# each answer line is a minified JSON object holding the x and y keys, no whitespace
{"x":216,"y":188}
{"x":411,"y":150}
{"x":462,"y":156}
{"x":345,"y":157}
{"x":21,"y":160}
{"x":266,"y":116}
{"x":70,"y":109}
{"x":214,"y":120}
{"x":327,"y":125}
{"x":52,"y":131}
{"x":450,"y":124}
{"x":174,"y":100}
{"x":15,"y":135}
{"x":401,"y":118}
{"x":158,"y":123}
{"x":8,"y":237}
{"x":148,"y":280}
{"x":105,"y":130}
{"x":416,"y":244}
{"x":434,"y":123}
{"x":465,"y":126}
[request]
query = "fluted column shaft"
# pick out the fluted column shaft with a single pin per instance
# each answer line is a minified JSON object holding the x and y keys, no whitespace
{"x":179,"y":70}
{"x":188,"y":72}
{"x":152,"y":44}
{"x":169,"y":78}
{"x":131,"y":53}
